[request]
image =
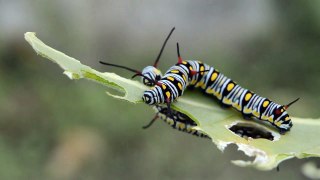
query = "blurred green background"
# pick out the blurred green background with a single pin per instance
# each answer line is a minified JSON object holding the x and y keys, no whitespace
{"x":51,"y":127}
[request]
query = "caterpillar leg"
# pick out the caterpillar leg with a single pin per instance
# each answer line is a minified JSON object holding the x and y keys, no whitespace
{"x":223,"y":105}
{"x":246,"y":116}
{"x":169,"y":112}
{"x":151,"y":122}
{"x":282,"y":131}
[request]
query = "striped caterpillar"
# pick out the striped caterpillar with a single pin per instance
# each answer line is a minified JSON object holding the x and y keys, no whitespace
{"x":192,"y":73}
{"x":176,"y":120}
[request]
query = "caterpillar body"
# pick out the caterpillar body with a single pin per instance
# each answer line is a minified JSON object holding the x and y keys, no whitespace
{"x":177,"y":120}
{"x":228,"y":92}
{"x":193,"y":73}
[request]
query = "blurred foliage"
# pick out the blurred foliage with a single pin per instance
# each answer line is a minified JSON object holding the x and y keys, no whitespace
{"x":40,"y":111}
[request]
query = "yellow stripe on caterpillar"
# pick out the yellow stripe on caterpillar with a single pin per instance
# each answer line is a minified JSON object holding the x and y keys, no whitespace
{"x":170,"y":78}
{"x":209,"y":91}
{"x":180,"y":86}
{"x":174,"y":71}
{"x":227,"y":101}
{"x":255,"y":113}
{"x":181,"y":125}
{"x":237,"y":106}
{"x":230,"y":86}
{"x":265,"y":103}
{"x":278,"y":123}
{"x":248,"y":96}
{"x":168,"y":94}
{"x":246,"y":110}
{"x":184,"y":77}
{"x":199,"y":84}
{"x":214,"y":76}
{"x":270,"y":119}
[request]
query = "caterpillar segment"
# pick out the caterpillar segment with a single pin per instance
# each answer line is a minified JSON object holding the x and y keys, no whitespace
{"x":176,"y":120}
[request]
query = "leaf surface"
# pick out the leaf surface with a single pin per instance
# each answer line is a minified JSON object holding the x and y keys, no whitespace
{"x":301,"y":142}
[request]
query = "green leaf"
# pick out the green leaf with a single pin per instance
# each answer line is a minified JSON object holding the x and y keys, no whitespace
{"x":301,"y":142}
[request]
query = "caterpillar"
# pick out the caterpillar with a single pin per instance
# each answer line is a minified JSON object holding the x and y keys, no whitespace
{"x":193,"y":73}
{"x":176,"y":120}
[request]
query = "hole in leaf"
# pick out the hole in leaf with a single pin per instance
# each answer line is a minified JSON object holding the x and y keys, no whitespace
{"x":246,"y":130}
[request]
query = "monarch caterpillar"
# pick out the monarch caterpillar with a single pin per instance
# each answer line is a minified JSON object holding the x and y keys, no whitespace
{"x":176,"y":120}
{"x":192,"y":73}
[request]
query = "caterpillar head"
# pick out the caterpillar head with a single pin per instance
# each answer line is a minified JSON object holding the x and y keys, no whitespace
{"x":282,"y":118}
{"x":151,"y":75}
{"x":151,"y":97}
